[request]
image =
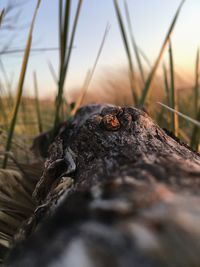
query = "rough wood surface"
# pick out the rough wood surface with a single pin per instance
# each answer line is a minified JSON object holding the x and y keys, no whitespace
{"x":117,"y":190}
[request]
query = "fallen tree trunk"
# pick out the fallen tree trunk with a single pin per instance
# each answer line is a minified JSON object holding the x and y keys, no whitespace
{"x":117,"y":190}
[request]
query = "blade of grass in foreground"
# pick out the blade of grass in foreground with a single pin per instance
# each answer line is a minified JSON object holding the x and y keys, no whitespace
{"x":1,"y":15}
{"x":166,"y":84}
{"x":144,"y":56}
{"x":196,"y":134}
{"x":167,"y":97}
{"x":24,"y":120}
{"x":64,"y":20}
{"x":18,"y":51}
{"x":8,"y":84}
{"x":3,"y":113}
{"x":135,"y":48}
{"x":196,"y":87}
{"x":64,"y":70}
{"x":37,"y":103}
{"x":195,"y":122}
{"x":20,"y":86}
{"x":90,"y":74}
{"x":156,"y":64}
{"x":54,"y":76}
{"x":128,"y":53}
{"x":52,"y":71}
{"x":82,"y":93}
{"x":173,"y":100}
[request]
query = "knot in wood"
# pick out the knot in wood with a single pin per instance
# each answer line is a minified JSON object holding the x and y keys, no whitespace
{"x":111,"y":122}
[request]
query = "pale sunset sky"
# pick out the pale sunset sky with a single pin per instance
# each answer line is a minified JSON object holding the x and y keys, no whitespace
{"x":150,"y":22}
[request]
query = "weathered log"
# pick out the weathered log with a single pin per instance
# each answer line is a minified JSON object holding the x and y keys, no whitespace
{"x":117,"y":190}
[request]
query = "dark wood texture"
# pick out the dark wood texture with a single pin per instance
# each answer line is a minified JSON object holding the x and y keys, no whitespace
{"x":117,"y":190}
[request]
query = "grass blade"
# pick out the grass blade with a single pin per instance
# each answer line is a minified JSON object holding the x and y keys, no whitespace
{"x":20,"y":86}
{"x":196,"y":87}
{"x":8,"y":84}
{"x":167,"y":95}
{"x":60,"y":17}
{"x":53,"y":72}
{"x":156,"y":64}
{"x":135,"y":48}
{"x":71,"y":41}
{"x":64,"y":20}
{"x":128,"y":53}
{"x":196,"y":134}
{"x":90,"y":74}
{"x":66,"y":28}
{"x":18,"y":50}
{"x":195,"y":122}
{"x":144,"y":56}
{"x":173,"y":100}
{"x":82,"y":93}
{"x":166,"y":84}
{"x":63,"y":73}
{"x":37,"y":103}
{"x":3,"y":113}
{"x":23,"y":112}
{"x":2,"y":15}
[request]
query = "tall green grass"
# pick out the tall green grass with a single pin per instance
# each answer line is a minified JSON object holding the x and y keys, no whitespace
{"x":146,"y":82}
{"x":2,"y":108}
{"x":37,"y":103}
{"x":152,"y":73}
{"x":2,"y":12}
{"x":3,"y":114}
{"x":196,"y":86}
{"x":173,"y":94}
{"x":195,"y":132}
{"x":90,"y":73}
{"x":195,"y":138}
{"x":8,"y":83}
{"x":20,"y":86}
{"x":135,"y":47}
{"x":127,"y":49}
{"x":53,"y":72}
{"x":65,"y":50}
{"x":166,"y":85}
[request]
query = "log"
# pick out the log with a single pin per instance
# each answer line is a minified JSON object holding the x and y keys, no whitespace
{"x":117,"y":190}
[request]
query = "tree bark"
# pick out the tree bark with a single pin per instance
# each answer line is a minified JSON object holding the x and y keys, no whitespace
{"x":117,"y":190}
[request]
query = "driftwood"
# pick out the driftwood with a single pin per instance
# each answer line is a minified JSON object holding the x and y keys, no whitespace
{"x":117,"y":190}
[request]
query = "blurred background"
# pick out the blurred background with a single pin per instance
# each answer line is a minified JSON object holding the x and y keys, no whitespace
{"x":123,"y":52}
{"x":150,"y":22}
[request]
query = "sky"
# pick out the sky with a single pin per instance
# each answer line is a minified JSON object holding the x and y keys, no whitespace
{"x":150,"y":22}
